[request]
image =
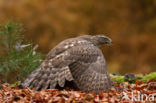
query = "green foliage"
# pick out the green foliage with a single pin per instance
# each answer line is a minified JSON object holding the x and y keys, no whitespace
{"x":16,"y":84}
{"x":145,"y":78}
{"x":16,"y":60}
{"x":148,"y":77}
{"x":118,"y":79}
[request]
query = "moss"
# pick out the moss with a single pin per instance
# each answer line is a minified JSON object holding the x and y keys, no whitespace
{"x":148,"y":77}
{"x":118,"y":79}
{"x":145,"y":78}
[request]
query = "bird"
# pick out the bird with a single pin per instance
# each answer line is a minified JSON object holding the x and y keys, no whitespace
{"x":77,"y":59}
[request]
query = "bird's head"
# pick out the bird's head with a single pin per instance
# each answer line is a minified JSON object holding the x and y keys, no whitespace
{"x":97,"y":40}
{"x":101,"y":39}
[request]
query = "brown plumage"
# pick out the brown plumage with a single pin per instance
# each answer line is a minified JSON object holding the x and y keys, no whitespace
{"x":78,"y":59}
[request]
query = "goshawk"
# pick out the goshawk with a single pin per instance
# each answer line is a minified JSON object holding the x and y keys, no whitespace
{"x":76,"y":59}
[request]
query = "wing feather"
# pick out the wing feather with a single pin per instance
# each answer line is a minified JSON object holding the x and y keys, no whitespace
{"x":90,"y":72}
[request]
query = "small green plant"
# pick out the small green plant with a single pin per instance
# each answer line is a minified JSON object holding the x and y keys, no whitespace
{"x":17,"y":60}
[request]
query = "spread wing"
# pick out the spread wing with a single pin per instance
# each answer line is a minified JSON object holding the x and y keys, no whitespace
{"x":85,"y":54}
{"x":89,"y":72}
{"x":73,"y":59}
{"x":55,"y":68}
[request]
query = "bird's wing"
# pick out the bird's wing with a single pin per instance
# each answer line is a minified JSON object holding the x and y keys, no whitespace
{"x":47,"y":76}
{"x":61,"y":62}
{"x":85,"y":53}
{"x":65,"y":45}
{"x":83,"y":56}
{"x":89,"y":71}
{"x":55,"y":69}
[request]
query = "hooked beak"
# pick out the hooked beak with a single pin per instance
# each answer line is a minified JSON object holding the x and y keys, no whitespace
{"x":109,"y":41}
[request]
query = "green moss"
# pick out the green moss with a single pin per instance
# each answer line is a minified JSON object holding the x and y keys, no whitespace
{"x":118,"y":79}
{"x":148,"y":77}
{"x":145,"y":78}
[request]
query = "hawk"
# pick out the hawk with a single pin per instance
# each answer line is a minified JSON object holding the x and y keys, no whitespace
{"x":76,"y":59}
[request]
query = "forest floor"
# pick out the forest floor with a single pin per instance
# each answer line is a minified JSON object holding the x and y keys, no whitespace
{"x":138,"y":92}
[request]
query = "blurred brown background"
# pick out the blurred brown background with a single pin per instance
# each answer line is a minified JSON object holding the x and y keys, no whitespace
{"x":131,"y":25}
